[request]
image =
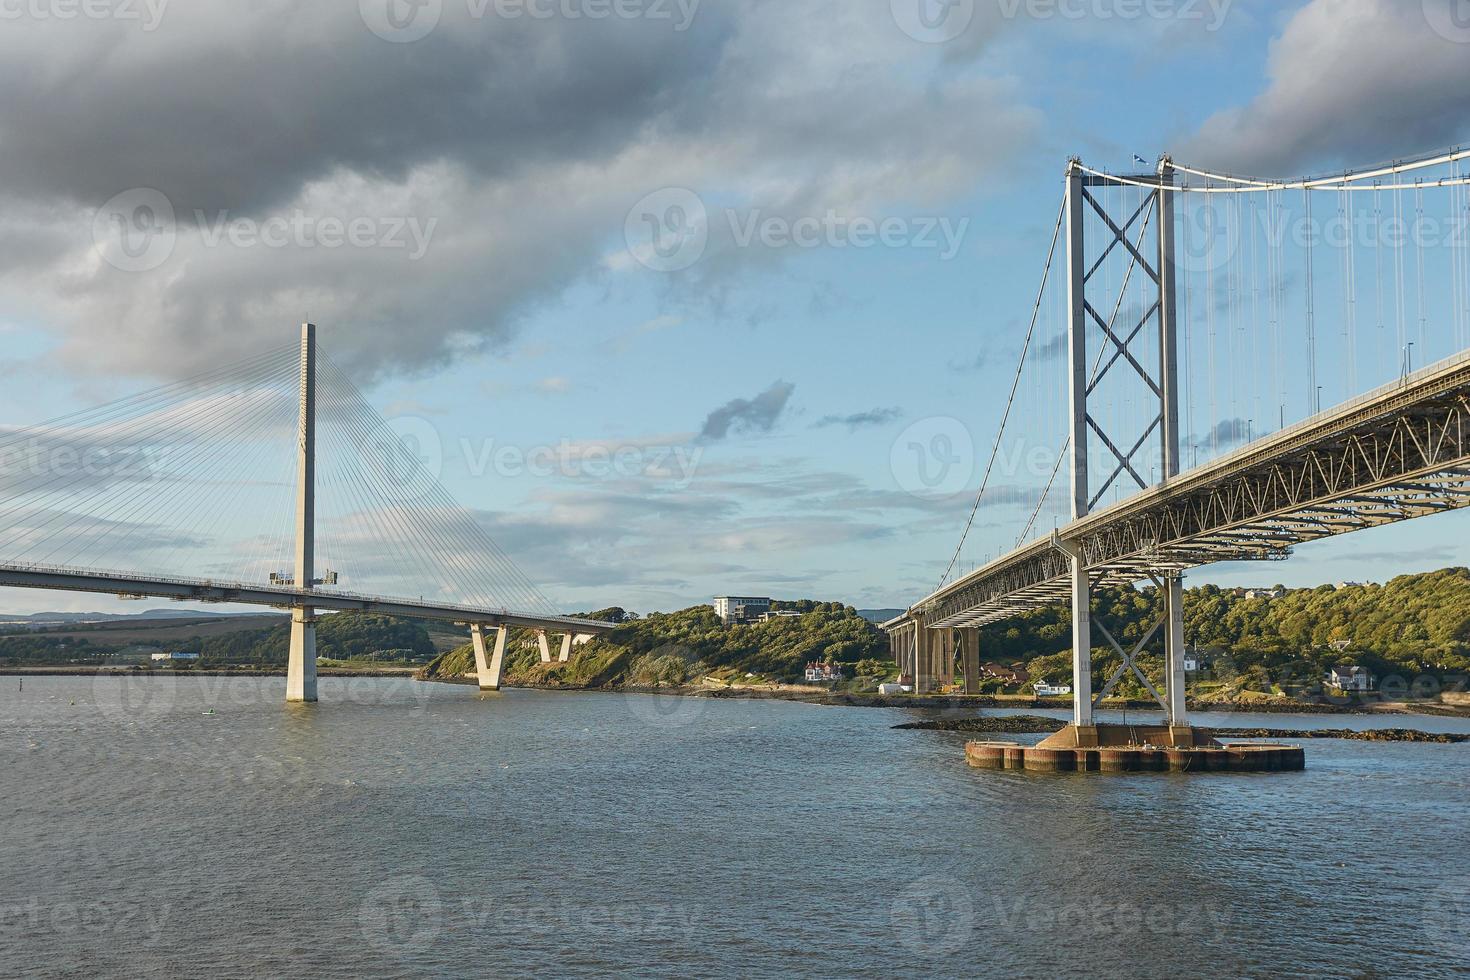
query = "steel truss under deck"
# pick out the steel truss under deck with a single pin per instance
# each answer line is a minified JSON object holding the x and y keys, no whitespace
{"x":1399,"y":453}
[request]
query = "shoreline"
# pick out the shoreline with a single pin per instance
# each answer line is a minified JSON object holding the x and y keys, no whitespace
{"x":855,"y":699}
{"x":796,"y":693}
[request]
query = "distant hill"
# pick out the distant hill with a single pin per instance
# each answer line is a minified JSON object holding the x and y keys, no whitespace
{"x":101,"y":617}
{"x":880,"y":615}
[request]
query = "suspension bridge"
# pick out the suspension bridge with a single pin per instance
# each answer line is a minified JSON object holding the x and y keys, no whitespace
{"x":280,"y":484}
{"x":1207,"y":316}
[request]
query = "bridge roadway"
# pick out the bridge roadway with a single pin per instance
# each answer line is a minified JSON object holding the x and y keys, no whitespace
{"x":131,"y":584}
{"x":1400,"y":452}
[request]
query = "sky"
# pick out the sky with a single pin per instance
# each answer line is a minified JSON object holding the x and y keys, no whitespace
{"x":664,"y":291}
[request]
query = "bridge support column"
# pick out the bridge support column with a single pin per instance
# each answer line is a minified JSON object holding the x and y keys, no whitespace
{"x":545,"y":646}
{"x":923,"y":657}
{"x":566,"y":648}
{"x":970,"y":659}
{"x":1174,"y":654}
{"x":488,"y":668}
{"x":301,"y":660}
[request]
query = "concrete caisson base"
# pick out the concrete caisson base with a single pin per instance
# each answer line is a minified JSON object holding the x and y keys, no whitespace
{"x":1117,"y":755}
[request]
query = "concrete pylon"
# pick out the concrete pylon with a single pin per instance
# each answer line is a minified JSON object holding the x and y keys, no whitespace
{"x":489,"y":667}
{"x":1174,"y":679}
{"x":301,"y":660}
{"x":970,"y":659}
{"x":545,"y":646}
{"x":566,"y":648}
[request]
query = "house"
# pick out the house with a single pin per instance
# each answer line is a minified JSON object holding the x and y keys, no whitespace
{"x":820,"y":673}
{"x":1045,"y":689}
{"x":741,"y":609}
{"x":174,"y":656}
{"x":766,"y":617}
{"x":1350,"y":679}
{"x":1264,"y":593}
{"x":887,"y":689}
{"x":1004,"y":674}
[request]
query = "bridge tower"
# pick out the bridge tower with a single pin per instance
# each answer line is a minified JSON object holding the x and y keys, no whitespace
{"x":1159,"y":269}
{"x":301,"y":662}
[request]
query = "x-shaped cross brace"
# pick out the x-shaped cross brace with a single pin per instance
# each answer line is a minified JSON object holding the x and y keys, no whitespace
{"x":1128,"y":664}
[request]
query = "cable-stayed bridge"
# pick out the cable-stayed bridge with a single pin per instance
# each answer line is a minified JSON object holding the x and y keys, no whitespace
{"x":1224,"y":370}
{"x":276,"y":484}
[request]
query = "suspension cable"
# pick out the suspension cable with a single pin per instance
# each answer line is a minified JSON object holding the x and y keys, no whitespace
{"x":1051,"y":252}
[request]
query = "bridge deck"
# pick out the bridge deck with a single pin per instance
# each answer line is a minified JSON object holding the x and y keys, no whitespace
{"x":1399,"y":452}
{"x":206,"y":590}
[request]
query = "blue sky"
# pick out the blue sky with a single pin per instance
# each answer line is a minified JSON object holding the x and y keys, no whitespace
{"x":757,"y":395}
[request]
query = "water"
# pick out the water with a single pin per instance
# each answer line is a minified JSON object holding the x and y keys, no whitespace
{"x":404,"y":829}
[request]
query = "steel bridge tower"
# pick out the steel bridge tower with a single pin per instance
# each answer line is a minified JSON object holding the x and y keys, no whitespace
{"x":1085,"y":300}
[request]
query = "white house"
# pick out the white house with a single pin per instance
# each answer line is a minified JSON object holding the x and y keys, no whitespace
{"x":1045,"y":689}
{"x":1350,"y":679}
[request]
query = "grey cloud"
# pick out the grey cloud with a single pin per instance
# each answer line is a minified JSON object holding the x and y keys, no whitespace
{"x":859,"y":420}
{"x":1352,"y":82}
{"x":748,"y":415}
{"x":526,"y":141}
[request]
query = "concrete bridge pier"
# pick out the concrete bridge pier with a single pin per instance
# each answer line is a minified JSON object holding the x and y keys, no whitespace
{"x":489,"y":668}
{"x":1174,"y":676}
{"x":969,"y":641}
{"x":301,"y":660}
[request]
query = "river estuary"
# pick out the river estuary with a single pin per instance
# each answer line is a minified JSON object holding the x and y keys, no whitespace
{"x":199,"y":827}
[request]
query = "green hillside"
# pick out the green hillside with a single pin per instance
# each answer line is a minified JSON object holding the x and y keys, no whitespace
{"x":670,"y":648}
